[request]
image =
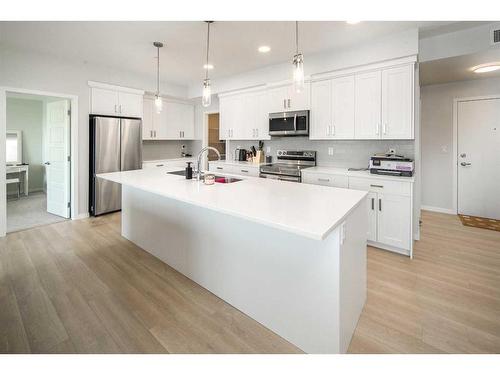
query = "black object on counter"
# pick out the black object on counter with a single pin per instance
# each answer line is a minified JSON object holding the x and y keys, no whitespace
{"x":269,"y":159}
{"x":189,"y":171}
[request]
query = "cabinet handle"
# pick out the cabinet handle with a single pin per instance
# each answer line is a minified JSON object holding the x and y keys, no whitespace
{"x":257,"y":133}
{"x":377,"y":186}
{"x":155,"y":133}
{"x":219,"y":167}
{"x":380,"y":204}
{"x":120,"y":106}
{"x":324,"y":179}
{"x":377,"y":126}
{"x":333,"y":129}
{"x":373,"y":204}
{"x":328,"y":130}
{"x":384,"y":127}
{"x":244,"y":170}
{"x":159,"y":165}
{"x":288,"y":103}
{"x":150,"y":134}
{"x":284,"y":103}
{"x":116,"y":108}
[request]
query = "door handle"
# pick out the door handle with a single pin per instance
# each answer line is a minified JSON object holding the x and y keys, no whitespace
{"x":47,"y":163}
{"x":380,"y":204}
{"x":295,"y":122}
{"x":324,"y":179}
{"x":464,"y":164}
{"x":373,"y":204}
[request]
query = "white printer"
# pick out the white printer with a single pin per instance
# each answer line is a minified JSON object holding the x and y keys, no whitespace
{"x":391,"y":165}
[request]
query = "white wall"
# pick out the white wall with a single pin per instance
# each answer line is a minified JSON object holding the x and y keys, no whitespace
{"x":29,"y":70}
{"x":394,"y":46}
{"x":437,"y":136}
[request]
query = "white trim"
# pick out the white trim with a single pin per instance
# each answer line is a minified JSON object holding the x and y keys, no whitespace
{"x":449,"y":211}
{"x":364,"y":68}
{"x":73,"y":148}
{"x":81,"y":216}
{"x":108,"y":86}
{"x":455,"y":142}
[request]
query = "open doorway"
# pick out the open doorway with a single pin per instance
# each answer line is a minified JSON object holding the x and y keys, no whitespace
{"x":214,"y":137}
{"x":37,"y":149}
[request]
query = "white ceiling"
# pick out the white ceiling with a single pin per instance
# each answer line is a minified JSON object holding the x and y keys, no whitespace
{"x":458,"y":68}
{"x":128,"y":45}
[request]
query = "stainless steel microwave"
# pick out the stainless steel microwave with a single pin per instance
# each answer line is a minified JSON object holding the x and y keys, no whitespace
{"x":289,"y":123}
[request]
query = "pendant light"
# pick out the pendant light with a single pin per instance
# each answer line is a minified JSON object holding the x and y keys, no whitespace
{"x":206,"y":98}
{"x":158,"y":101}
{"x":298,"y":63}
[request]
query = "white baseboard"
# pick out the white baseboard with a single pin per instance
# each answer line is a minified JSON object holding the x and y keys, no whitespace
{"x":80,"y":216}
{"x":439,"y":209}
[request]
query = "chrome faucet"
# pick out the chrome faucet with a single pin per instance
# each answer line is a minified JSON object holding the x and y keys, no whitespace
{"x":198,"y":171}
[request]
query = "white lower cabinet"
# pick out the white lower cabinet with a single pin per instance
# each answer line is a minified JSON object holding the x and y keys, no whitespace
{"x":389,"y":208}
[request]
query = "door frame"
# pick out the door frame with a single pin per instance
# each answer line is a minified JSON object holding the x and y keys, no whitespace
{"x":73,"y":149}
{"x":204,"y":138}
{"x":456,"y":102}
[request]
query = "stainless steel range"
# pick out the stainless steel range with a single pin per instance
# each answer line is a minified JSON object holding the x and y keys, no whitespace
{"x":289,"y":165}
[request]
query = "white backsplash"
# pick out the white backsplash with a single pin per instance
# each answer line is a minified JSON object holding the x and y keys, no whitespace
{"x":158,"y":150}
{"x":346,"y":154}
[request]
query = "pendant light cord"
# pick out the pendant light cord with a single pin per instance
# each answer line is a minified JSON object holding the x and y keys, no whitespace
{"x":296,"y":37}
{"x":208,"y":47}
{"x":158,"y":71}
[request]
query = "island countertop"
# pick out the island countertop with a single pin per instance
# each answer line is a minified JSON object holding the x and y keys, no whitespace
{"x":307,"y":210}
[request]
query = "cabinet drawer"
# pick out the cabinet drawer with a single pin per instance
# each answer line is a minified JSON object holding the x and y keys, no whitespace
{"x":221,"y":168}
{"x":326,"y":179}
{"x":380,"y":186}
{"x":246,"y":171}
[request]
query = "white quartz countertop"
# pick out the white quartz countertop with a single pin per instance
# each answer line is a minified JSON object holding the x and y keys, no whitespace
{"x":237,"y":162}
{"x":312,"y":211}
{"x":363,"y":174}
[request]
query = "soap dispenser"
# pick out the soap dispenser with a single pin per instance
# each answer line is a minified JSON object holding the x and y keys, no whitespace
{"x":189,"y":171}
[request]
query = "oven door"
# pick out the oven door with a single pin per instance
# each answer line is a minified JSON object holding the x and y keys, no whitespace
{"x":289,"y":123}
{"x":280,"y":177}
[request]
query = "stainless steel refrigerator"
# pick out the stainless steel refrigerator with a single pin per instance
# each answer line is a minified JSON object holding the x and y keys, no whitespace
{"x":115,"y":145}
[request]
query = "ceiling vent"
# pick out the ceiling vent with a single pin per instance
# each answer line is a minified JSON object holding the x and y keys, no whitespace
{"x":495,"y":35}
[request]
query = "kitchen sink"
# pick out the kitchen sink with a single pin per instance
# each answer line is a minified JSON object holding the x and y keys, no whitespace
{"x":218,"y":179}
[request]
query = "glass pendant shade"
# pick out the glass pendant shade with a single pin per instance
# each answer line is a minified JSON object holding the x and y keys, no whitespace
{"x":206,"y":98}
{"x":158,"y":104}
{"x":298,"y":72}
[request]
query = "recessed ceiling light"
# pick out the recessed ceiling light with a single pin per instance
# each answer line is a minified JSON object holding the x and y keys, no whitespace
{"x":264,"y":49}
{"x":485,"y":68}
{"x":352,"y":22}
{"x":208,"y":66}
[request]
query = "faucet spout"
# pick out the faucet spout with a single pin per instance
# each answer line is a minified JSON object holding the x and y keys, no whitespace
{"x":198,"y":163}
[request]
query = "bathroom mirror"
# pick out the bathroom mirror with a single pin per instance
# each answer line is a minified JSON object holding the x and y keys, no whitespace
{"x":14,"y":147}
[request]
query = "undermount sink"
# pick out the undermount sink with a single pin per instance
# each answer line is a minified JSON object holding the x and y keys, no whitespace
{"x":218,"y":179}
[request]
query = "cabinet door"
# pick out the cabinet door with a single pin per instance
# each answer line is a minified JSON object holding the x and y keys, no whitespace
{"x":321,"y":110}
{"x":397,"y":103}
{"x":244,"y":112}
{"x":262,"y":116}
{"x":367,"y":105}
{"x":160,"y":122}
{"x":173,"y":119}
{"x":147,"y":119}
{"x":104,"y":102}
{"x":299,"y":101}
{"x":130,"y":105}
{"x":342,"y":124}
{"x":278,"y":99}
{"x":226,"y":117}
{"x":372,"y":216}
{"x":394,"y":220}
{"x":187,"y":121}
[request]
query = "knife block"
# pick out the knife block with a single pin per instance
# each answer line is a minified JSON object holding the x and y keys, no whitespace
{"x":259,"y":157}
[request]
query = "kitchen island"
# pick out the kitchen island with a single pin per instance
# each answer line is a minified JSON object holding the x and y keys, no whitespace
{"x":291,"y":256}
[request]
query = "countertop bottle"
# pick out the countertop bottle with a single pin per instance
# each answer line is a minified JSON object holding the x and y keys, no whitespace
{"x":189,"y":171}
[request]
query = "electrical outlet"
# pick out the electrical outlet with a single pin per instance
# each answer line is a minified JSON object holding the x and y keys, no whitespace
{"x":392,"y":151}
{"x":444,"y":149}
{"x":330,"y":151}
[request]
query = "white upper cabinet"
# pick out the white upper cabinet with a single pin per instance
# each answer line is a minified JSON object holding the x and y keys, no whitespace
{"x":104,"y":102}
{"x":343,"y":99}
{"x":368,"y":105}
{"x":175,"y":121}
{"x":285,"y":98}
{"x":115,"y":101}
{"x":397,"y":103}
{"x":130,"y":105}
{"x":321,"y":110}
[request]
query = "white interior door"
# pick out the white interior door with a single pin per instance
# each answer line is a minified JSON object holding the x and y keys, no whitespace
{"x":479,"y":158}
{"x":57,"y":163}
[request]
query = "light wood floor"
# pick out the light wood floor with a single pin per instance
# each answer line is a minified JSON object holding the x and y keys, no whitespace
{"x":78,"y":286}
